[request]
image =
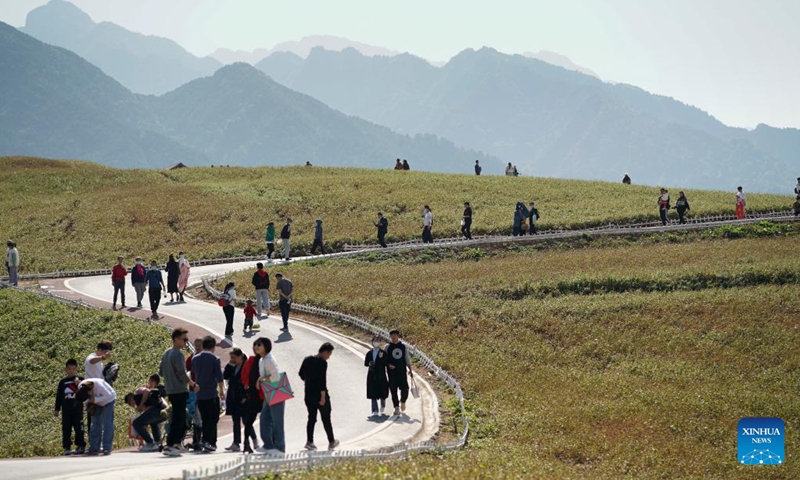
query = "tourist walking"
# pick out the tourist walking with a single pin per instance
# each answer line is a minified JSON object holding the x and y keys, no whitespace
{"x":254,"y":397}
{"x":138,"y":273}
{"x":466,"y":221}
{"x":177,"y":384}
{"x":12,"y":262}
{"x":383,"y":228}
{"x":249,"y":314}
{"x":173,"y":274}
{"x":682,"y":206}
{"x":70,"y":409}
{"x":226,"y":300}
{"x":118,"y":274}
{"x":318,"y":238}
{"x":427,"y":225}
{"x":377,"y":384}
{"x":235,"y":398}
{"x":285,"y":289}
{"x":207,"y":371}
{"x":399,"y":359}
{"x":520,"y":215}
{"x":313,"y":372}
{"x":286,"y":233}
{"x":533,"y":217}
{"x":272,"y":416}
{"x":269,"y":237}
{"x":183,"y":278}
{"x":741,"y":203}
{"x":663,"y":205}
{"x":261,"y":285}
{"x":101,"y":397}
{"x":478,"y":168}
{"x":155,"y":285}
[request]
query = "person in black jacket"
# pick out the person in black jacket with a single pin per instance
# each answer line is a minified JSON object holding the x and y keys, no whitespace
{"x":173,"y":272}
{"x":399,"y":360}
{"x":235,"y":399}
{"x":71,"y":411}
{"x":478,"y":168}
{"x":138,"y":272}
{"x":682,"y":205}
{"x":466,"y":221}
{"x":377,"y":383}
{"x":533,"y":217}
{"x":286,"y":233}
{"x":261,"y":285}
{"x":383,"y":229}
{"x":314,"y":372}
{"x":405,"y":165}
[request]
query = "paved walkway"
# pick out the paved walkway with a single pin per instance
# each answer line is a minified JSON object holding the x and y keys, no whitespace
{"x":346,"y":381}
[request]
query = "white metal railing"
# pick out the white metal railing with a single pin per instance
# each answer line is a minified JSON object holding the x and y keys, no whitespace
{"x":249,"y":465}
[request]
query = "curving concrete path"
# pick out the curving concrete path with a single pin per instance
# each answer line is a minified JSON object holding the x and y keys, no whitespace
{"x":346,"y":381}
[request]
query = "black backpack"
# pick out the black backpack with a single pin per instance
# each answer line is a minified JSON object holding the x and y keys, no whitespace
{"x":111,"y":372}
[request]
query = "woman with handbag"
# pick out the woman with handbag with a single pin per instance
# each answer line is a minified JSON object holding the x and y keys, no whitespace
{"x":377,"y":383}
{"x":226,"y":302}
{"x":272,"y":433}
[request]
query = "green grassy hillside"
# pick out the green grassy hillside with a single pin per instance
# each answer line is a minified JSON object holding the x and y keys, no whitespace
{"x":566,"y":380}
{"x":66,"y":215}
{"x":40,"y":335}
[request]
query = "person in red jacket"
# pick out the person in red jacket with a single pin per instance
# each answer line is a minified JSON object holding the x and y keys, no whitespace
{"x":118,"y":274}
{"x":249,"y":313}
{"x":254,"y":396}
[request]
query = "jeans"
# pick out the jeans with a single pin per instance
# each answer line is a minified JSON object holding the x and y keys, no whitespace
{"x":139,"y":287}
{"x":177,"y":425}
{"x":272,"y":433}
{"x":286,"y":248}
{"x":72,"y":419}
{"x":228,"y":311}
{"x":663,"y":213}
{"x":13,"y":275}
{"x":262,"y":300}
{"x":317,"y":243}
{"x":102,"y":430}
{"x":209,"y":412}
{"x":151,"y":418}
{"x":155,"y":299}
{"x":119,"y":287}
{"x":375,"y":404}
{"x":465,"y":229}
{"x":427,"y":236}
{"x":285,"y":307}
{"x":312,"y":405}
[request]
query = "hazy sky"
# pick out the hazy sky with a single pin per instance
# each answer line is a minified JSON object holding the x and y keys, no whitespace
{"x":737,"y":59}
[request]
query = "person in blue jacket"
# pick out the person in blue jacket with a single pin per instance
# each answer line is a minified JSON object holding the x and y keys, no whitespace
{"x":520,"y":216}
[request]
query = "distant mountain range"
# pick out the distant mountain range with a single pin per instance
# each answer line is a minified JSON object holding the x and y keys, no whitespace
{"x":144,"y":64}
{"x":55,"y":104}
{"x":547,"y":120}
{"x":300,"y":48}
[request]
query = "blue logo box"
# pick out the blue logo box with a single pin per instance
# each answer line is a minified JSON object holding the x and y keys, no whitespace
{"x":761,"y":441}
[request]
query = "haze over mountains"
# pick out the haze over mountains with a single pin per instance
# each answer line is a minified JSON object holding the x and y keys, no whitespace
{"x":55,"y":104}
{"x":550,"y":118}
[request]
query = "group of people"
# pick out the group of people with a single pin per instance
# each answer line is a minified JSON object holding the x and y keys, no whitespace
{"x":402,"y":165}
{"x":261,"y":284}
{"x":511,"y":170}
{"x":681,"y":205}
{"x":150,"y":279}
{"x":197,"y":387}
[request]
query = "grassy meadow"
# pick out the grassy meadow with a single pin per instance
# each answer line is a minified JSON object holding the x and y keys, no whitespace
{"x":68,"y":215}
{"x":577,"y":382}
{"x":40,"y":335}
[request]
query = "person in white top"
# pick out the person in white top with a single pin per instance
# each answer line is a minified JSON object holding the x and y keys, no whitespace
{"x":12,"y":262}
{"x":93,"y":365}
{"x":741,"y":203}
{"x":101,"y":397}
{"x":427,"y":224}
{"x":271,"y":419}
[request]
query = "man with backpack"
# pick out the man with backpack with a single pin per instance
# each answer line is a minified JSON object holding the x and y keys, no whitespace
{"x":383,"y":229}
{"x":261,"y":286}
{"x":138,"y":273}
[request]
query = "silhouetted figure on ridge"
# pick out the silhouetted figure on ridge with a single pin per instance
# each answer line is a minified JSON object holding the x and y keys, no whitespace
{"x":626,"y":179}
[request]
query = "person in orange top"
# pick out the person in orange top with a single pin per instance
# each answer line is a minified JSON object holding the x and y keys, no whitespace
{"x":118,"y":274}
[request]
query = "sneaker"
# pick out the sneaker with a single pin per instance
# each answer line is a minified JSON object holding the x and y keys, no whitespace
{"x":373,"y":414}
{"x":67,"y":452}
{"x":207,"y":447}
{"x":310,"y":446}
{"x":106,"y":453}
{"x":150,"y":447}
{"x":333,"y":444}
{"x":123,"y":305}
{"x":383,"y":409}
{"x":233,"y":448}
{"x":113,"y":307}
{"x":403,"y":406}
{"x":261,"y":450}
{"x":92,"y":453}
{"x":138,"y":305}
{"x":247,"y":449}
{"x":284,"y":329}
{"x":171,"y":452}
{"x":396,"y":411}
{"x":79,"y":451}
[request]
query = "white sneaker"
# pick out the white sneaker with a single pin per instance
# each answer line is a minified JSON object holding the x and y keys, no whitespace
{"x":261,"y":451}
{"x":374,"y":414}
{"x":171,"y":452}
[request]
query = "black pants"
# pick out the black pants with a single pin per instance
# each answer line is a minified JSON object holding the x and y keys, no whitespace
{"x":465,"y":229}
{"x":317,"y":243}
{"x":398,"y":381}
{"x":177,"y":424}
{"x":270,"y":249}
{"x":119,"y":287}
{"x":312,"y":405}
{"x":209,"y":414}
{"x":155,"y":299}
{"x":250,"y":411}
{"x":72,"y":419}
{"x":228,"y":311}
{"x":682,"y":215}
{"x":427,"y":236}
{"x":663,"y":213}
{"x":382,"y":239}
{"x":533,"y":228}
{"x":285,"y":308}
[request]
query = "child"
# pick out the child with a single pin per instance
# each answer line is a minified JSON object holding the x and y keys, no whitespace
{"x":249,"y":313}
{"x":71,"y":411}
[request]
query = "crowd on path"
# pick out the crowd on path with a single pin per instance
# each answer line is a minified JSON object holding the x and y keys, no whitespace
{"x":151,"y":280}
{"x":196,"y":390}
